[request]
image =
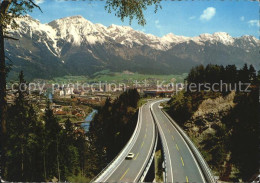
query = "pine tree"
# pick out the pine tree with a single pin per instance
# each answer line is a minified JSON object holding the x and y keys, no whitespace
{"x":51,"y":144}
{"x":69,"y":154}
{"x":81,"y":145}
{"x":252,"y":73}
{"x":191,"y":76}
{"x":243,"y":74}
{"x":231,"y":74}
{"x":9,"y":9}
{"x":17,"y":134}
{"x":34,"y":169}
{"x":22,"y":139}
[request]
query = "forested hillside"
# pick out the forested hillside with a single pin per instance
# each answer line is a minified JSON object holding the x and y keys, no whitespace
{"x":41,"y":149}
{"x":37,"y":148}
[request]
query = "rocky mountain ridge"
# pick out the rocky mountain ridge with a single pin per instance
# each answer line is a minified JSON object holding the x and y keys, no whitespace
{"x":76,"y":46}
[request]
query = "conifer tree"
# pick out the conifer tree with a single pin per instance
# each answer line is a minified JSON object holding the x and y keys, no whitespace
{"x":68,"y":151}
{"x":243,"y":74}
{"x":9,"y":10}
{"x":81,"y":145}
{"x":230,"y":74}
{"x":51,"y":144}
{"x":34,"y":144}
{"x":252,"y":73}
{"x":22,"y":139}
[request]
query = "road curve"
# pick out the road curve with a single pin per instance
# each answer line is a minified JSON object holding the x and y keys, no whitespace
{"x":181,"y":165}
{"x":131,"y":170}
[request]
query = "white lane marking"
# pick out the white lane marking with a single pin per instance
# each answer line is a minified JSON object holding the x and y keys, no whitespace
{"x":160,"y":128}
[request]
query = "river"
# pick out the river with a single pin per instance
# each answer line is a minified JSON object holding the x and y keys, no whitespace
{"x":88,"y":119}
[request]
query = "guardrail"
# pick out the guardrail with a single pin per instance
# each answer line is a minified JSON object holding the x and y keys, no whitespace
{"x":201,"y":161}
{"x":109,"y":169}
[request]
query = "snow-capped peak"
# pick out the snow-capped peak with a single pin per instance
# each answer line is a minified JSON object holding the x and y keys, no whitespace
{"x":119,"y":28}
{"x":78,"y":46}
{"x":249,"y":38}
{"x":77,"y":30}
{"x":171,"y":38}
{"x":74,"y":20}
{"x":223,"y":37}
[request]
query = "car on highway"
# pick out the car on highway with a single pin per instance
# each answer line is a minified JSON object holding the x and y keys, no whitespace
{"x":130,"y":156}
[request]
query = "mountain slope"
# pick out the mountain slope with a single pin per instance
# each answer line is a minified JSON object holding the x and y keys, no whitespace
{"x":76,"y":46}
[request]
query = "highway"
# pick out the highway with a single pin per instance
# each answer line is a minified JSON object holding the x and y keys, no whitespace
{"x":131,"y":170}
{"x":181,"y":165}
{"x":180,"y":162}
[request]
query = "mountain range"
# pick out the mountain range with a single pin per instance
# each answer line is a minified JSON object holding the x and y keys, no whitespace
{"x":76,"y":46}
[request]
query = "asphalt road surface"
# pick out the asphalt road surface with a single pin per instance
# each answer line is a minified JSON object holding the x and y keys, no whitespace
{"x":131,"y":170}
{"x":180,"y":162}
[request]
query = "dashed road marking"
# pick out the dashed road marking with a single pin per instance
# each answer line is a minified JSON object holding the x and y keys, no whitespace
{"x":124,"y":174}
{"x":136,"y":156}
{"x":182,"y":161}
{"x":177,"y":147}
{"x":142,"y":144}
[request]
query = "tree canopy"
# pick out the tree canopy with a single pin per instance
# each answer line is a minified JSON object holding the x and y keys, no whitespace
{"x":11,"y":9}
{"x":131,"y":8}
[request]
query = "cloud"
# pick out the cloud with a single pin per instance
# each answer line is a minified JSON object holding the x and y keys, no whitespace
{"x":253,"y":23}
{"x":192,"y":17}
{"x":39,"y":1}
{"x":208,"y":14}
{"x":242,"y":18}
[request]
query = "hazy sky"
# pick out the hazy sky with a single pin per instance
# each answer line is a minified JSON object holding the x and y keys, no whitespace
{"x":188,"y":18}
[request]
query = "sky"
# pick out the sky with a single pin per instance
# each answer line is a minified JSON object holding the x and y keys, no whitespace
{"x":186,"y":18}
